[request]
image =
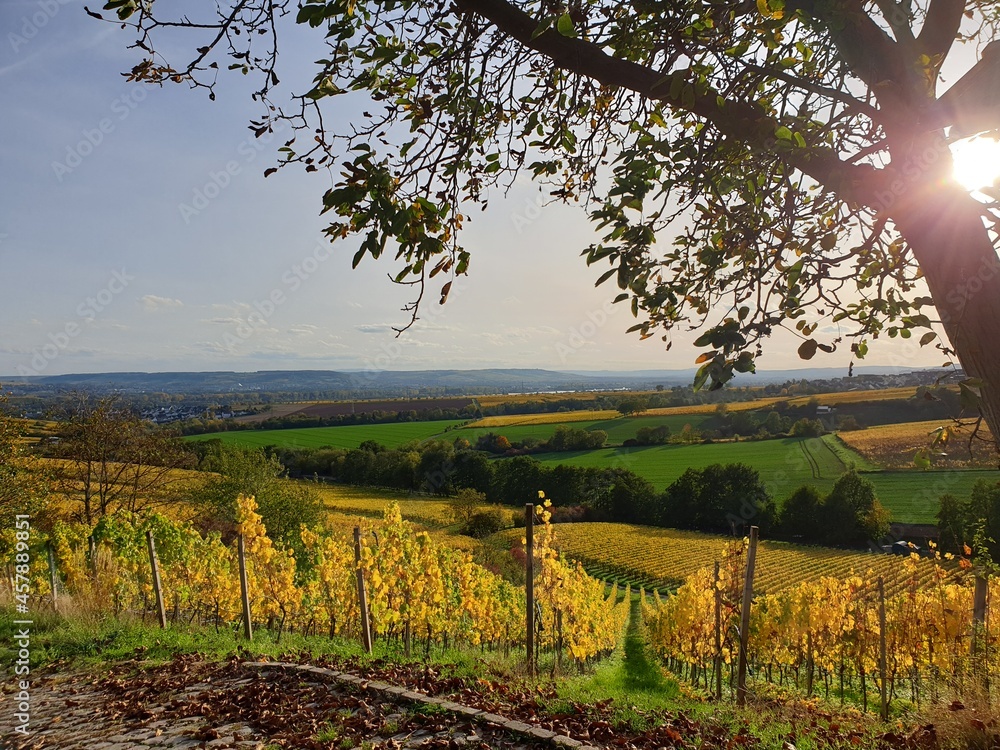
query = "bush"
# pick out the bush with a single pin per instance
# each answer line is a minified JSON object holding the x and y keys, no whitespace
{"x":807,"y":428}
{"x":487,"y":522}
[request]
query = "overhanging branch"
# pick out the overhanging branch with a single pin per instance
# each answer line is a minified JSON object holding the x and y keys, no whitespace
{"x":739,"y":120}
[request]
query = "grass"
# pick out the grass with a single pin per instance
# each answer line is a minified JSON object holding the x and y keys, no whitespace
{"x":81,"y":643}
{"x":784,"y":464}
{"x":911,"y":496}
{"x":631,"y":678}
{"x":68,"y":642}
{"x":914,"y":496}
{"x":391,"y":435}
{"x":619,"y":428}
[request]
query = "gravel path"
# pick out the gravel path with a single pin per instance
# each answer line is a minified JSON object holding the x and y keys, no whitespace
{"x":191,"y":704}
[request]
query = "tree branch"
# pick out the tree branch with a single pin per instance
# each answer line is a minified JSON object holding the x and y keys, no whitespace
{"x":742,"y":121}
{"x":856,"y":104}
{"x":941,"y":24}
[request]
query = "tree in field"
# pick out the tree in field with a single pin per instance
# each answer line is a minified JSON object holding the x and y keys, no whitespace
{"x":750,"y":165}
{"x":116,"y":459}
{"x":464,"y":504}
{"x":851,"y":514}
{"x":721,"y":498}
{"x":951,"y":523}
{"x":284,"y":506}
{"x":801,"y":515}
{"x":632,"y":406}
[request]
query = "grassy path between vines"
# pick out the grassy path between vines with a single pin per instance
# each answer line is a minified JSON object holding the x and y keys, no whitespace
{"x":639,"y":672}
{"x":630,"y":677}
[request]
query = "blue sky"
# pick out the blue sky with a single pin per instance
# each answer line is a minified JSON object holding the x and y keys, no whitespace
{"x":138,"y":233}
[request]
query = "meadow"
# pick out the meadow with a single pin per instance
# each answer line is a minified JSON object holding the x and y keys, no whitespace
{"x":784,"y":464}
{"x":911,"y":496}
{"x":619,"y":428}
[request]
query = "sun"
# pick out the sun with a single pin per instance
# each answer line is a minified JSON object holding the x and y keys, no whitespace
{"x":977,"y":162}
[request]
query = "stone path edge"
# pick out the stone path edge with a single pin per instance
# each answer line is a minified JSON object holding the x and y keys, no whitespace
{"x":517,"y":727}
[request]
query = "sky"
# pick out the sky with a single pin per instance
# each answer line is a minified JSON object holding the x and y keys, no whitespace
{"x":137,"y":233}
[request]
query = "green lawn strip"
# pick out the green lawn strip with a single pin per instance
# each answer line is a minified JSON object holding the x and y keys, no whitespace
{"x":391,"y":435}
{"x":846,"y":455}
{"x":910,"y":496}
{"x":629,"y":677}
{"x":781,"y":462}
{"x":913,"y":496}
{"x":87,"y":643}
{"x":619,"y":429}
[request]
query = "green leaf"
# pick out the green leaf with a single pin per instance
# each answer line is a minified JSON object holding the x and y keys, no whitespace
{"x":605,"y":276}
{"x":783,"y":134}
{"x":565,"y":26}
{"x":745,"y":363}
{"x":544,"y":26}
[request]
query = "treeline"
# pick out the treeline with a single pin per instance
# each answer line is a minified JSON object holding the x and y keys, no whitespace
{"x":972,"y":522}
{"x":291,"y":421}
{"x":564,"y":438}
{"x":719,"y":499}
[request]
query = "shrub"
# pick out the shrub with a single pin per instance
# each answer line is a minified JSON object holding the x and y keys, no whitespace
{"x":486,"y":522}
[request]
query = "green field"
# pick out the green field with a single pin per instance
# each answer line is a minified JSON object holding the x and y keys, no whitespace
{"x":391,"y":435}
{"x":912,"y":496}
{"x":785,"y":465}
{"x":619,"y":430}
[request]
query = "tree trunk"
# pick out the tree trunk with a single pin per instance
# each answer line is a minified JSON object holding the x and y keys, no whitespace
{"x":944,"y":227}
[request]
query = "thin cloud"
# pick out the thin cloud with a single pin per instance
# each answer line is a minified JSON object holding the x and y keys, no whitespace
{"x":152,"y":303}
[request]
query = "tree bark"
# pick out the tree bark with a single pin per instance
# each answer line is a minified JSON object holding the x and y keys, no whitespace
{"x":944,"y":227}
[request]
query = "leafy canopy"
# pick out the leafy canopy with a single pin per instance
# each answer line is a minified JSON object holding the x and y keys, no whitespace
{"x":740,"y":160}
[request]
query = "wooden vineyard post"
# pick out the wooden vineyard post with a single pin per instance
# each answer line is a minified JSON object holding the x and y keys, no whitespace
{"x":53,"y":576}
{"x":978,"y":611}
{"x":529,"y":585}
{"x":154,"y":569}
{"x":741,"y":679}
{"x":882,"y":666}
{"x":718,"y":634}
{"x":366,"y":626}
{"x":979,"y":662}
{"x":559,"y":638}
{"x":241,"y":550}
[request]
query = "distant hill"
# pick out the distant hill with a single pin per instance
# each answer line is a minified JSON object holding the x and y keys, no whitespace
{"x":426,"y":383}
